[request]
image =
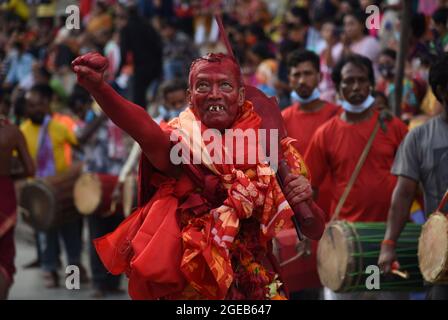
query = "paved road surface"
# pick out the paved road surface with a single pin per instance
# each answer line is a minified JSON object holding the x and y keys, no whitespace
{"x":28,"y":282}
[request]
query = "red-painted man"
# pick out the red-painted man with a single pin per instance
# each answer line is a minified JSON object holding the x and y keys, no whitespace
{"x":203,"y":230}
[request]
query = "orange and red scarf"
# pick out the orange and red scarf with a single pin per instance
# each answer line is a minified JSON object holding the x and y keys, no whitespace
{"x":166,"y":257}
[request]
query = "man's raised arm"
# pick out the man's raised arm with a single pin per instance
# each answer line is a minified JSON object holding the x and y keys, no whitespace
{"x":130,"y":117}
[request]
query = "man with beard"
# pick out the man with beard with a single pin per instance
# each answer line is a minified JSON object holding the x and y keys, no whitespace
{"x":10,"y":139}
{"x":337,"y":146}
{"x":201,"y":230}
{"x":46,"y":139}
{"x":307,"y":113}
{"x":422,"y":158}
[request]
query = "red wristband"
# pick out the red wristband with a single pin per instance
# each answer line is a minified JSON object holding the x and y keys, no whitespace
{"x":388,"y":242}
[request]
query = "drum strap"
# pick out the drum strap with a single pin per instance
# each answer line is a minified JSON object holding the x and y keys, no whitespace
{"x":355,"y":173}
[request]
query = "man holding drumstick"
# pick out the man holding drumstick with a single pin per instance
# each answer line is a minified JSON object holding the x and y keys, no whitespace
{"x":421,"y":158}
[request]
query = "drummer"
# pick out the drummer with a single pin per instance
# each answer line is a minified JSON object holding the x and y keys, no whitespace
{"x":421,"y":158}
{"x":10,"y":139}
{"x":46,"y":139}
{"x":337,"y":146}
{"x":104,"y":152}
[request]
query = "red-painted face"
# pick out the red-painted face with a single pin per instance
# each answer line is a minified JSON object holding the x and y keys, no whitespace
{"x":215,"y":94}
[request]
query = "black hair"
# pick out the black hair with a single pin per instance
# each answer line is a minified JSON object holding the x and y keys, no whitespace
{"x":43,"y":90}
{"x":440,"y":16}
{"x":262,"y":50}
{"x":44,"y":72}
{"x":360,"y":16}
{"x":438,"y":74}
{"x":171,"y":86}
{"x":170,"y":22}
{"x":2,"y":95}
{"x":302,"y":14}
{"x":299,"y":56}
{"x":391,"y":53}
{"x":359,"y":61}
{"x":5,"y":98}
{"x":79,"y":95}
{"x":258,"y":32}
{"x":376,"y":93}
{"x":418,"y":25}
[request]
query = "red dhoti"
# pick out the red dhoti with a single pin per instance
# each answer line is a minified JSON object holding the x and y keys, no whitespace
{"x":7,"y":222}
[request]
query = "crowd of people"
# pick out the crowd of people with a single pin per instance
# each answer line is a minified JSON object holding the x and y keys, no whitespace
{"x":333,"y":79}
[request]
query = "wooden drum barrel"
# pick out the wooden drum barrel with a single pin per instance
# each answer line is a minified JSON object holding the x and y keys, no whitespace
{"x":93,"y":193}
{"x":48,"y":202}
{"x":433,"y":247}
{"x":347,"y":249}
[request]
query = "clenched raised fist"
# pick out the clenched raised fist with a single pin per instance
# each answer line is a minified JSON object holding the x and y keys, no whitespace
{"x":89,"y":69}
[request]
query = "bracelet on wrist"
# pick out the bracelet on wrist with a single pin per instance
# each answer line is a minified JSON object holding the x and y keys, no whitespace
{"x":388,"y":242}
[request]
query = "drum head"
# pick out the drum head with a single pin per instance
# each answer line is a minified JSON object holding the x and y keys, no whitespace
{"x":87,"y":193}
{"x":38,"y":202}
{"x":334,"y":256}
{"x":433,"y":248}
{"x":129,"y":195}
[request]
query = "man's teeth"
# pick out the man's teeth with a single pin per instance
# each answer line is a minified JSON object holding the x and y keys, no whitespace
{"x":215,"y":108}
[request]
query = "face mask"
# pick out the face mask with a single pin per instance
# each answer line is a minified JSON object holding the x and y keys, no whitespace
{"x":90,"y":116}
{"x":314,"y":96}
{"x":347,"y":106}
{"x":174,"y":113}
{"x":169,"y":114}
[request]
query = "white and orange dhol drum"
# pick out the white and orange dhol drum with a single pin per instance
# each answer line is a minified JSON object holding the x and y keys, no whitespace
{"x":433,"y":246}
{"x":93,"y":194}
{"x":48,"y":202}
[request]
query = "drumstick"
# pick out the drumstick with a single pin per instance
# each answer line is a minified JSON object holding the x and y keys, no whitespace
{"x":113,"y":206}
{"x":402,"y":274}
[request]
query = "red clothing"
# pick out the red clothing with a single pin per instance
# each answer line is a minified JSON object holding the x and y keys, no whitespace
{"x":206,"y":250}
{"x":337,"y":146}
{"x":301,"y":125}
{"x":300,"y":273}
{"x":7,"y":223}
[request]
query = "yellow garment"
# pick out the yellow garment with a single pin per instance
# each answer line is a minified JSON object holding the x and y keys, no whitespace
{"x":101,"y":22}
{"x":418,"y":121}
{"x":59,"y":136}
{"x":47,"y":10}
{"x":19,"y":7}
{"x":415,"y":207}
{"x":430,"y":105}
{"x":70,"y":124}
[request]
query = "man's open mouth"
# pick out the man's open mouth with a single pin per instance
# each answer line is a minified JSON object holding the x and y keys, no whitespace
{"x":215,"y":108}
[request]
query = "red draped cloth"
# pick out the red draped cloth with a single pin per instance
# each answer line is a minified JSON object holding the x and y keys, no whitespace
{"x":205,"y":235}
{"x":7,"y":223}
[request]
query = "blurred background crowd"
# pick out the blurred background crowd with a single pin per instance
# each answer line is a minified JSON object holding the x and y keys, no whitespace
{"x":149,"y":42}
{"x":150,"y":45}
